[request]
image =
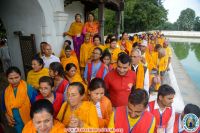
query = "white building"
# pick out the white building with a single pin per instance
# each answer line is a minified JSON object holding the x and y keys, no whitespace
{"x":46,"y":19}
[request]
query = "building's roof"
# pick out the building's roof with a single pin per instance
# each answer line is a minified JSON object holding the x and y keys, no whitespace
{"x":116,"y":5}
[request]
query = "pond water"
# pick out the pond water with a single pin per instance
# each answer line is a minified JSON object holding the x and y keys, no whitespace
{"x":189,"y":55}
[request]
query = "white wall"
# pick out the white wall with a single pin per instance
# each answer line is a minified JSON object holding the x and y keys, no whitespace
{"x":21,"y":15}
{"x":47,"y":19}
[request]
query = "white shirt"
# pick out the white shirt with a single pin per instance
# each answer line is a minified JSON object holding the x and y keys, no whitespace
{"x":146,"y":78}
{"x":170,"y":125}
{"x":49,"y":60}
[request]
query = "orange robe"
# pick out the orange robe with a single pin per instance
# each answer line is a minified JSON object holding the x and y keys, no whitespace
{"x":86,"y":112}
{"x":77,"y":78}
{"x":128,"y":45}
{"x":101,"y":46}
{"x":71,"y":59}
{"x":63,"y":55}
{"x":75,"y":28}
{"x":57,"y":127}
{"x":84,"y":53}
{"x":21,"y":101}
{"x":33,"y":77}
{"x":91,"y":27}
{"x":106,"y":110}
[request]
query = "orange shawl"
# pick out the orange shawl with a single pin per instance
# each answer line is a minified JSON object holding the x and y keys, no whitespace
{"x":106,"y":109}
{"x":140,"y":76}
{"x":21,"y":101}
{"x":75,"y":28}
{"x":57,"y":127}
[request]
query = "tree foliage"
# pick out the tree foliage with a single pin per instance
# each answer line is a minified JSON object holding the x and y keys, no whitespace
{"x":186,"y":19}
{"x":141,"y":15}
{"x":197,"y":24}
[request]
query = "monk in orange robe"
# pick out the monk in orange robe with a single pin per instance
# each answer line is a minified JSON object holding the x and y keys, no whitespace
{"x":75,"y":31}
{"x":76,"y":113}
{"x":70,"y":59}
{"x":62,"y":52}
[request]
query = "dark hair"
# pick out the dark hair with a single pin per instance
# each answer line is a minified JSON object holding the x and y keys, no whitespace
{"x":68,"y":41}
{"x":77,"y":15}
{"x":113,"y":40}
{"x":57,"y":67}
{"x":157,"y":46}
{"x":105,"y":53}
{"x":13,"y":69}
{"x":123,"y":58}
{"x":91,"y":13}
{"x":46,"y":79}
{"x":41,"y":105}
{"x":39,"y":60}
{"x":97,"y":48}
{"x":135,"y":44}
{"x":138,"y":96}
{"x":165,"y":90}
{"x":124,"y":33}
{"x":191,"y":108}
{"x":68,"y":47}
{"x":96,"y":83}
{"x":80,"y":86}
{"x":69,"y":66}
{"x":97,"y":36}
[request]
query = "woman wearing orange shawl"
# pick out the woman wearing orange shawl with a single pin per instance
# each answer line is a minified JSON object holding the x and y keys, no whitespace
{"x":103,"y":104}
{"x":75,"y":31}
{"x":42,"y":119}
{"x":91,"y":27}
{"x":18,"y":97}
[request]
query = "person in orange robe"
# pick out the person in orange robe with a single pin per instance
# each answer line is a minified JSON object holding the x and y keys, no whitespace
{"x":17,"y":99}
{"x":91,"y":27}
{"x":114,"y":50}
{"x":73,"y":76}
{"x":76,"y":113}
{"x":62,"y":52}
{"x":37,"y":72}
{"x":70,"y":59}
{"x":96,"y":43}
{"x":125,"y":44}
{"x":42,"y":119}
{"x":84,"y":53}
{"x":75,"y":31}
{"x":103,"y":104}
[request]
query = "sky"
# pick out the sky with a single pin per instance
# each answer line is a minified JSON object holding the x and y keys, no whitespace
{"x":175,"y":7}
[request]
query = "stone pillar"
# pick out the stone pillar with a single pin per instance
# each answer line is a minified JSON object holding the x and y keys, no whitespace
{"x":118,"y":23}
{"x":101,"y":21}
{"x":60,"y":19}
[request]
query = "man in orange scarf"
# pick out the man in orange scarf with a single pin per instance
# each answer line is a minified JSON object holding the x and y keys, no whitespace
{"x":142,"y":73}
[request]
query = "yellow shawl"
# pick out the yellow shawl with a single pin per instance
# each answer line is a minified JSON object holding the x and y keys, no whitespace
{"x":75,"y":28}
{"x":140,"y":76}
{"x":21,"y":101}
{"x":33,"y":77}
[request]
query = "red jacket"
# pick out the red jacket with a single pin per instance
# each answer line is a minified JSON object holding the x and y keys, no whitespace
{"x":62,"y":86}
{"x":57,"y":103}
{"x":161,"y":120}
{"x":142,"y":126}
{"x":99,"y":73}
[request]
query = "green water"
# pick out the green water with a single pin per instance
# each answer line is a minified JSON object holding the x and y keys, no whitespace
{"x":189,"y":56}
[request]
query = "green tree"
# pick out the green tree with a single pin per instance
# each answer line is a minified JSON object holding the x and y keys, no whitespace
{"x":181,"y":49}
{"x":186,"y":19}
{"x":197,"y":24}
{"x":141,"y":15}
{"x":196,"y":48}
